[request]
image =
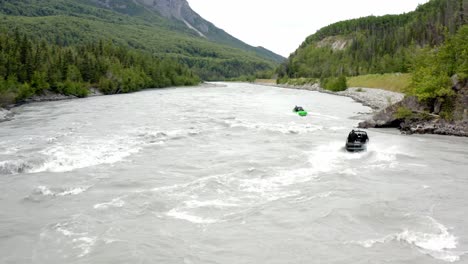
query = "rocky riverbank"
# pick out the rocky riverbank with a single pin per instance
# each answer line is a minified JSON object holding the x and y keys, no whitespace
{"x":48,"y":96}
{"x":377,"y":99}
{"x":5,"y":115}
{"x":423,"y":118}
{"x":442,"y":116}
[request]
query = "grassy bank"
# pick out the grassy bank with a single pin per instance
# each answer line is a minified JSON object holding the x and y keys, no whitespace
{"x":265,"y":81}
{"x":395,"y":82}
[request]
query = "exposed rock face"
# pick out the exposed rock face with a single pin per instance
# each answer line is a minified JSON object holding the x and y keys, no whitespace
{"x":387,"y":118}
{"x":180,"y":10}
{"x":173,"y":9}
{"x":336,"y":43}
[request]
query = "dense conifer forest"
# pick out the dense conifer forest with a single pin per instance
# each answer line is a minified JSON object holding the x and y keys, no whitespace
{"x":431,"y":43}
{"x":217,"y":56}
{"x":29,"y":68}
{"x":375,"y":44}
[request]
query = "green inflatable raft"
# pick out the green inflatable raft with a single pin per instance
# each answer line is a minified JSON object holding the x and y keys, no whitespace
{"x":299,"y":110}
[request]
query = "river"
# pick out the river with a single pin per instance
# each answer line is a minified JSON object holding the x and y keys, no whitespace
{"x":225,"y":175}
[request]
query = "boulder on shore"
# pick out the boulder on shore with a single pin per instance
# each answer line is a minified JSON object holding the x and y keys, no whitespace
{"x":423,"y":117}
{"x":5,"y":115}
{"x":388,"y":118}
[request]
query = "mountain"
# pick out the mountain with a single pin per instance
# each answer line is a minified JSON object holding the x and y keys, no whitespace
{"x":375,"y":44}
{"x":181,"y":11}
{"x":166,"y":28}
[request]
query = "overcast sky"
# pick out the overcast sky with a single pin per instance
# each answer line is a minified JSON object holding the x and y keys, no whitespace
{"x":281,"y":26}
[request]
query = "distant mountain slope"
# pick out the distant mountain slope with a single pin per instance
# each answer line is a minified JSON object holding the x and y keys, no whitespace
{"x":375,"y":44}
{"x":163,"y":27}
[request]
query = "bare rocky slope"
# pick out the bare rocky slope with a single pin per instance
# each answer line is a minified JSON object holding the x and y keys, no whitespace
{"x":181,"y":11}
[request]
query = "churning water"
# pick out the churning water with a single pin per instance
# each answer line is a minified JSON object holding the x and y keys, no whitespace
{"x":224,"y":175}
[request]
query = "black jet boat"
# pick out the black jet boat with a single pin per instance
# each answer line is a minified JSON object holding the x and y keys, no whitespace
{"x":357,"y":141}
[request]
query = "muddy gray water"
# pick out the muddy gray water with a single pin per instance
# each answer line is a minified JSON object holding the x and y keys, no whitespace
{"x":224,"y":175}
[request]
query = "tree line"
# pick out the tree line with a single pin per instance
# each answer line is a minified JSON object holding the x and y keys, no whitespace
{"x":375,"y":44}
{"x":78,"y":22}
{"x":30,"y":67}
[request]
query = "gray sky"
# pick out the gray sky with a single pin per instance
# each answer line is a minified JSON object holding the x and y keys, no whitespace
{"x":281,"y":26}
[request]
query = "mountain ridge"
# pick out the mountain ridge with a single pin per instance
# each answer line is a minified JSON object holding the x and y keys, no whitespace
{"x":163,"y":27}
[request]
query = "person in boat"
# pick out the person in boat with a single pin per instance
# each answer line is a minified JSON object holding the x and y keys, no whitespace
{"x":298,"y":108}
{"x":360,"y":136}
{"x":352,"y":136}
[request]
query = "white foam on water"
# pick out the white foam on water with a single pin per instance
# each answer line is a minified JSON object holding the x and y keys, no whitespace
{"x":85,"y":244}
{"x":439,"y":244}
{"x":8,"y":150}
{"x":46,"y":191}
{"x":291,"y":128}
{"x":115,"y":203}
{"x":322,"y":116}
{"x":176,"y":213}
{"x":151,"y":135}
{"x":82,"y":154}
{"x":337,"y":128}
{"x":274,"y":184}
{"x":232,"y":194}
{"x":349,"y":171}
{"x":15,"y":166}
{"x":332,"y":157}
{"x":43,"y":190}
{"x":313,"y":197}
{"x":200,"y":182}
{"x":210,"y":203}
{"x":87,"y":152}
{"x":73,"y":191}
{"x":81,"y":241}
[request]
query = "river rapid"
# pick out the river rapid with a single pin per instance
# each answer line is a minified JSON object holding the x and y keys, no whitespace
{"x":225,"y":174}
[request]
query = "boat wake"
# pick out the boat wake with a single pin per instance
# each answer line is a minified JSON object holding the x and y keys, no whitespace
{"x":439,"y":243}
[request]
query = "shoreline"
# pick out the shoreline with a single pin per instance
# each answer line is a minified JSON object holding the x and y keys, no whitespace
{"x":377,"y":99}
{"x":384,"y":105}
{"x":370,"y":97}
{"x":6,"y":114}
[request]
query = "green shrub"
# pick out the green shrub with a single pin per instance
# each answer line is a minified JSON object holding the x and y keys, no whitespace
{"x":447,"y":109}
{"x":7,"y":98}
{"x":403,"y":113}
{"x":25,"y":91}
{"x":77,"y":89}
{"x":334,"y":84}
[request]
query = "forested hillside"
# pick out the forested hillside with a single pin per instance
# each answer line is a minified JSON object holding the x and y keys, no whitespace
{"x":210,"y":52}
{"x":375,"y":44}
{"x":29,"y":68}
